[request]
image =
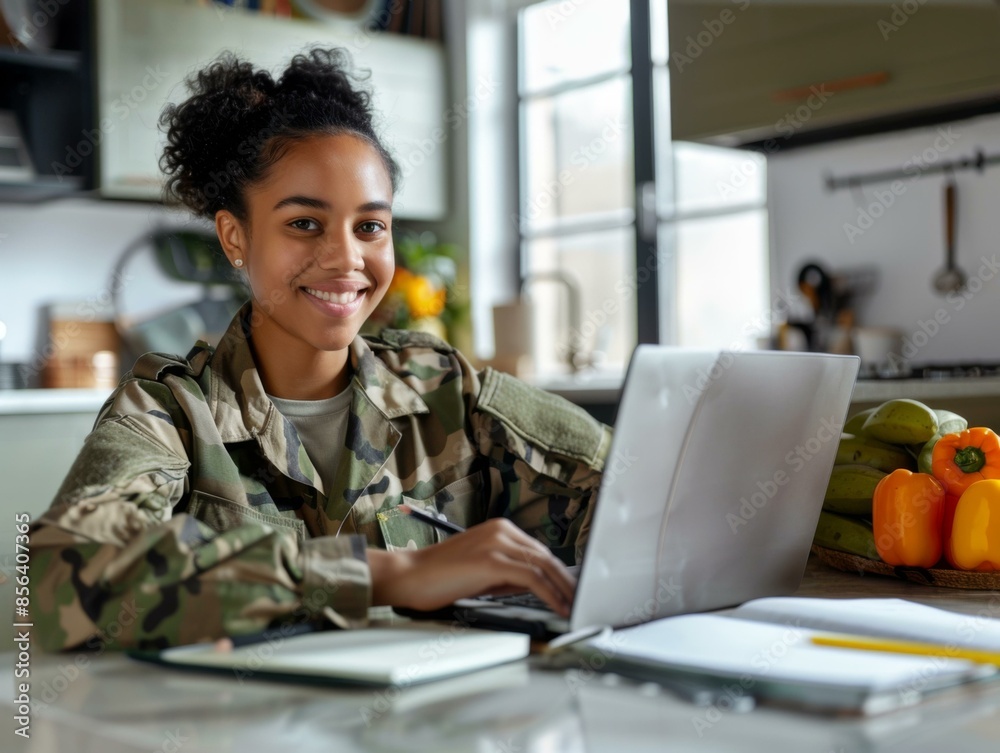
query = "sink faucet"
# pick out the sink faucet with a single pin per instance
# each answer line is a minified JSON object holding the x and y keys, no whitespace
{"x":574,"y":356}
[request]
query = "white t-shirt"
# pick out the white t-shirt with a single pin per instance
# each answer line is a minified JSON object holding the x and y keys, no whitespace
{"x":322,"y":428}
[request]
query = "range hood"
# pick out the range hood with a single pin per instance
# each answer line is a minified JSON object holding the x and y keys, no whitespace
{"x":774,"y":74}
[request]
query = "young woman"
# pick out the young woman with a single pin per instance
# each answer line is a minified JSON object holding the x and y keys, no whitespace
{"x":259,"y":482}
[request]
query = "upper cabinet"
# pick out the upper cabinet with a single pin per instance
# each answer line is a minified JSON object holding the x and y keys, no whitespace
{"x":146,"y":49}
{"x":795,"y":71}
{"x":88,"y":102}
{"x":46,"y":146}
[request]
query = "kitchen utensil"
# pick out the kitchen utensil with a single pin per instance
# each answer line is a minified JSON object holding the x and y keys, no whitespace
{"x":877,"y":346}
{"x":15,"y":163}
{"x":951,"y":278}
{"x":30,"y":24}
{"x":817,"y":287}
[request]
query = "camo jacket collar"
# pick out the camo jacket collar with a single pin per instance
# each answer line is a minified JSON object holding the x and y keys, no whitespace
{"x":240,"y":406}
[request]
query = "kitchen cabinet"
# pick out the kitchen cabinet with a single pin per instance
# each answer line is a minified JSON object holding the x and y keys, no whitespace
{"x":89,"y":108}
{"x":146,"y":50}
{"x":790,"y":72}
{"x":41,"y":433}
{"x":47,"y":91}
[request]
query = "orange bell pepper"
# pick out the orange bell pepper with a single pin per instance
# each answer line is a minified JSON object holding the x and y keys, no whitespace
{"x":975,"y":533}
{"x":907,"y":517}
{"x":965,"y":457}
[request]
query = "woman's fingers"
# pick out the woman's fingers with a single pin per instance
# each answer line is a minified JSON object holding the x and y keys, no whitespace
{"x":537,"y":555}
{"x":488,"y":558}
{"x":533,"y":578}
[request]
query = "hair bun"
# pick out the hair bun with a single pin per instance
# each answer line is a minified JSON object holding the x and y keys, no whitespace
{"x":216,"y":138}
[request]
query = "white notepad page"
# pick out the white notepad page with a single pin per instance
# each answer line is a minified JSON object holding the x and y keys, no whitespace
{"x":884,"y":618}
{"x":727,"y":646}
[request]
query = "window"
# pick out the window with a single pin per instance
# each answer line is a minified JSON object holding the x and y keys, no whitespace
{"x":577,"y":192}
{"x":576,"y":204}
{"x":717,"y":230}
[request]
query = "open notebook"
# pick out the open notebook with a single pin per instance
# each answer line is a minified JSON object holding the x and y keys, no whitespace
{"x":764,"y":649}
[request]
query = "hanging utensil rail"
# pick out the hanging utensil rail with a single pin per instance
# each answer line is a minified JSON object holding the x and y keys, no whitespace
{"x":979,"y":161}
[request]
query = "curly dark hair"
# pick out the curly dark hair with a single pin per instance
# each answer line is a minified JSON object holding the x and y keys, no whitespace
{"x":239,"y":121}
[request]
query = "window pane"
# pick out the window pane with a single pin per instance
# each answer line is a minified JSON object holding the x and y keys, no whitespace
{"x":712,"y":177}
{"x":577,"y":154}
{"x":601,"y":267}
{"x":722,"y":280}
{"x":564,"y":41}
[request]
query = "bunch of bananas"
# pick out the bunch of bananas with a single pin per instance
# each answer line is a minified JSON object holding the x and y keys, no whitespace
{"x":899,"y":433}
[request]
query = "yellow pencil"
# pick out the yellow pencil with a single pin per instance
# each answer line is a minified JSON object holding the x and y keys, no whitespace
{"x":907,"y":647}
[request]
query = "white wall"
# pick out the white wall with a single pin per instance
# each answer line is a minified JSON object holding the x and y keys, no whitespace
{"x":906,"y":243}
{"x":64,"y":252}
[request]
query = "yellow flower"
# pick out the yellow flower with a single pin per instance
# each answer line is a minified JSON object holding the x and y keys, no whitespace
{"x":423,"y":298}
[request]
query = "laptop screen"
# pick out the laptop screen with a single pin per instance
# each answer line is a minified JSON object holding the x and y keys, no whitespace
{"x":714,"y":481}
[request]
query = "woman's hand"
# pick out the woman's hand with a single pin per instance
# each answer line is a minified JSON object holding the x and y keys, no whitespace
{"x":494,"y":556}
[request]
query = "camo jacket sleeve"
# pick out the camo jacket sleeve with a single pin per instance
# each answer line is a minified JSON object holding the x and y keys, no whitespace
{"x":193,"y":511}
{"x":113,"y":564}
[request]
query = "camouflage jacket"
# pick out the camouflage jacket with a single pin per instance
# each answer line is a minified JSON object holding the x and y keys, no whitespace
{"x":193,"y":512}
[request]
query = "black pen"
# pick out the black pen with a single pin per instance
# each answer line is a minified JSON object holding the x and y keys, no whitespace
{"x":441,"y":523}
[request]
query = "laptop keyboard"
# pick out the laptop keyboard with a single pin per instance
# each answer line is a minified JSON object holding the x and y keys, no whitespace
{"x":526,"y":599}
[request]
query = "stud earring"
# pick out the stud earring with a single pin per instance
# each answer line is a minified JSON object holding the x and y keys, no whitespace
{"x":238,"y":262}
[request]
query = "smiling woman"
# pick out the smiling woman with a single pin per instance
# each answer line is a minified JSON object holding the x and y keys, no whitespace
{"x":329,"y":211}
{"x":266,"y":480}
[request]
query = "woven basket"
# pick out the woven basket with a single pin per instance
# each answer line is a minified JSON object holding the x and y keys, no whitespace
{"x":852,"y":563}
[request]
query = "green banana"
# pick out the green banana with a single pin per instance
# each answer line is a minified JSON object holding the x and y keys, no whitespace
{"x":845,"y":534}
{"x":948,"y":423}
{"x":902,"y":421}
{"x":855,"y":423}
{"x":851,"y":488}
{"x":867,"y":451}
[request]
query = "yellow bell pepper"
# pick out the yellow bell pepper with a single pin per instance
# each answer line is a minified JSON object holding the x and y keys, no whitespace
{"x":907,"y":518}
{"x":975,"y":531}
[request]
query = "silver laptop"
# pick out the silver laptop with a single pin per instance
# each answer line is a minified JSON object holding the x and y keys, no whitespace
{"x":711,"y":491}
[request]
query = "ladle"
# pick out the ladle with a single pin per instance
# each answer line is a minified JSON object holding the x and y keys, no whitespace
{"x":951,"y":278}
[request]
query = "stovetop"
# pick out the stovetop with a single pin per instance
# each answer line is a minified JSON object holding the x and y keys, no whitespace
{"x":936,"y":371}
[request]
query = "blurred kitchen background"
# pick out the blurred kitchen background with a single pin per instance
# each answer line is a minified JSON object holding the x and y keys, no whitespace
{"x":579,"y":176}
